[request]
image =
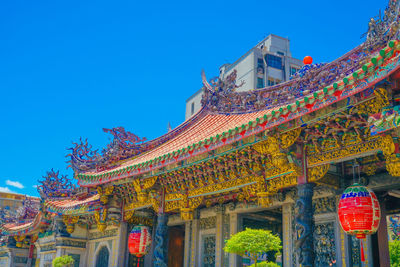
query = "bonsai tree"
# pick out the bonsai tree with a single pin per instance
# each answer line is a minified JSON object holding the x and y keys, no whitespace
{"x":265,"y":264}
{"x":253,"y":243}
{"x":63,"y":261}
{"x":394,"y":251}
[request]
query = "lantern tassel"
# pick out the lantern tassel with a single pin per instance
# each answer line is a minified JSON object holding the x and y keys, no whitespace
{"x":362,"y":251}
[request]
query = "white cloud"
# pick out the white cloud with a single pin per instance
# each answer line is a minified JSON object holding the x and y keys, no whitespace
{"x":35,"y":186}
{"x":15,"y":184}
{"x":6,"y":190}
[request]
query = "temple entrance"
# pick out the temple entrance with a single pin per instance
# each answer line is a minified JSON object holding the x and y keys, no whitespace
{"x":266,"y":220}
{"x":102,"y":257}
{"x":176,"y":245}
{"x":388,"y":234}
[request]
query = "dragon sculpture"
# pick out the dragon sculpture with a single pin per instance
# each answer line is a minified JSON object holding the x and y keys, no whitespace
{"x":160,"y":258}
{"x":304,"y":226}
{"x":27,"y":211}
{"x":55,"y":185}
{"x":220,"y":96}
{"x":124,"y":145}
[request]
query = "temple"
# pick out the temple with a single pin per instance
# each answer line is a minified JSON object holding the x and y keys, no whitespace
{"x":275,"y":158}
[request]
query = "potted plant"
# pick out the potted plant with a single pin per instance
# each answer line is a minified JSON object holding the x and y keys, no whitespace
{"x":63,"y":261}
{"x":253,"y":243}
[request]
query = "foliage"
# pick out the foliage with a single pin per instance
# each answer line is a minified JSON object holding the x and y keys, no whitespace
{"x":63,"y":261}
{"x":265,"y":264}
{"x":394,"y":250}
{"x":253,"y":243}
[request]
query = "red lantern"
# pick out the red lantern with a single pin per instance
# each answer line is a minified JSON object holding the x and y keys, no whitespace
{"x":139,"y":241}
{"x":307,"y":60}
{"x":359,"y":212}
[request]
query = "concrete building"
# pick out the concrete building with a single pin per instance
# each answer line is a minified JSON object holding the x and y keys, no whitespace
{"x":268,"y":63}
{"x":12,"y":201}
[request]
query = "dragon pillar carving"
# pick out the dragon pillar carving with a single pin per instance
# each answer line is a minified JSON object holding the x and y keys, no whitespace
{"x":305,"y":225}
{"x":160,"y":249}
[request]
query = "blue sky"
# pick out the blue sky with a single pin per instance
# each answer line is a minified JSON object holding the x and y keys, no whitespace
{"x":70,"y":68}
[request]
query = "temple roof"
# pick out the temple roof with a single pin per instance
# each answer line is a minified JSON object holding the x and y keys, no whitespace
{"x":228,"y":116}
{"x":212,"y":130}
{"x":25,"y":227}
{"x":69,"y":206}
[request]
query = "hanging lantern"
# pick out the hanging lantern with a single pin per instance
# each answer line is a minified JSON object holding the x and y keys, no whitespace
{"x":139,"y":240}
{"x":359,"y":212}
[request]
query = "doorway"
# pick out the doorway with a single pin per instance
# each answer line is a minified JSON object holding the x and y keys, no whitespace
{"x":176,"y":245}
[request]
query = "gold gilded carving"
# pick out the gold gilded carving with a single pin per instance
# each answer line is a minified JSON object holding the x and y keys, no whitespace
{"x":222,"y":186}
{"x":287,"y":139}
{"x":270,"y":146}
{"x":172,"y":205}
{"x":141,"y":220}
{"x":208,"y":223}
{"x":142,"y":197}
{"x":70,"y":222}
{"x":128,"y":215}
{"x":149,"y":182}
{"x":101,"y":219}
{"x":376,"y":104}
{"x":264,"y":199}
{"x":370,"y":169}
{"x":318,"y":172}
{"x":387,"y":145}
{"x":19,"y":239}
{"x":370,"y":145}
{"x":275,"y":184}
{"x":104,"y":193}
{"x":187,"y":214}
{"x":393,"y":165}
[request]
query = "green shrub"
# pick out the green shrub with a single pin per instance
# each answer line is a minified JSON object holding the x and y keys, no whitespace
{"x":63,"y":261}
{"x":265,"y":264}
{"x":253,"y":243}
{"x":394,"y":251}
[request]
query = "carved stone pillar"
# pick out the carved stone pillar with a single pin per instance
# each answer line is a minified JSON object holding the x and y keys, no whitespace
{"x":383,"y":242}
{"x":219,"y":210}
{"x":233,"y":230}
{"x":287,"y":234}
{"x":188,"y":237}
{"x":161,"y":244}
{"x":304,"y":225}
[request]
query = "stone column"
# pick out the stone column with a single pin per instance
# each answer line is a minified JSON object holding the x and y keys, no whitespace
{"x":383,"y":242}
{"x":194,"y":245}
{"x":219,"y":253}
{"x":233,"y":230}
{"x":188,"y":237}
{"x":287,"y":235}
{"x":304,"y":225}
{"x":161,"y":245}
{"x":122,"y":243}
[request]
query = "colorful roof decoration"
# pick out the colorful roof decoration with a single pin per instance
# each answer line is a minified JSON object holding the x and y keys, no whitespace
{"x":27,"y":211}
{"x":26,"y":227}
{"x":55,"y":185}
{"x":212,"y":129}
{"x":73,"y":206}
{"x":228,"y":116}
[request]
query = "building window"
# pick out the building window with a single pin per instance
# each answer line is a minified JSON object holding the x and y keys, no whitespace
{"x":280,"y":53}
{"x":272,"y":81}
{"x":192,"y":108}
{"x":273,"y":61}
{"x":260,"y":82}
{"x":260,"y":66}
{"x":293,"y":70}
